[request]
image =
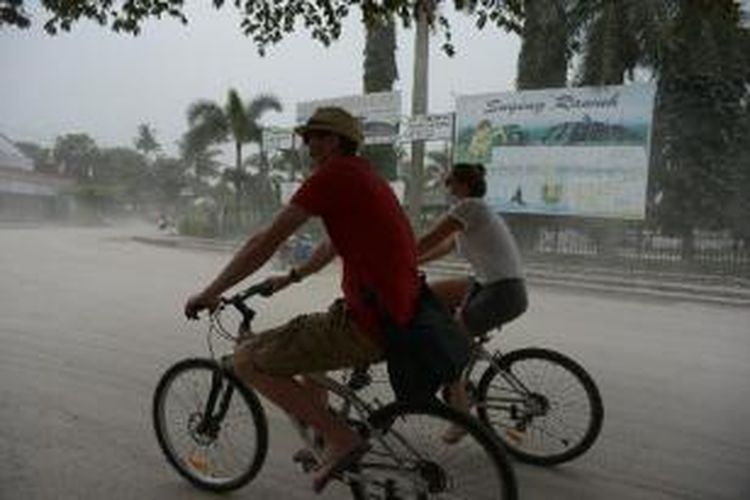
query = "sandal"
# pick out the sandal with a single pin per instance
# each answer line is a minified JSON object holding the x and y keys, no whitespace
{"x":454,"y":434}
{"x":345,"y":462}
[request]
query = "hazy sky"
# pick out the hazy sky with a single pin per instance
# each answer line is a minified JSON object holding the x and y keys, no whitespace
{"x":95,"y":81}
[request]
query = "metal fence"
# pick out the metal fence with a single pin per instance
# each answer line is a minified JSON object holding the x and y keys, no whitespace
{"x":631,"y":247}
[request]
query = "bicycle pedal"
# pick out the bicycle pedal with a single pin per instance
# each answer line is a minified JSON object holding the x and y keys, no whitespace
{"x":306,"y":459}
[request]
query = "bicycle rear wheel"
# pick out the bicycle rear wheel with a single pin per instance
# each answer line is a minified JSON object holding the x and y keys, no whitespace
{"x":409,"y":459}
{"x":542,"y":405}
{"x":211,"y":428}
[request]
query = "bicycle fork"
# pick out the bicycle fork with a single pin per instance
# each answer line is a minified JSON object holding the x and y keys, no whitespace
{"x":495,"y":360}
{"x":210,"y":423}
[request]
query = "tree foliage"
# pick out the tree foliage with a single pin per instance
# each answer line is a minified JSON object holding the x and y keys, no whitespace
{"x":168,"y":177}
{"x":108,"y":178}
{"x":699,"y":178}
{"x":146,"y":141}
{"x":545,"y":50}
{"x":210,"y":123}
{"x":124,"y":174}
{"x":380,"y":72}
{"x":204,"y":164}
{"x":40,"y":155}
{"x":265,"y":22}
{"x":617,"y":36}
{"x":380,"y":69}
{"x":77,"y":155}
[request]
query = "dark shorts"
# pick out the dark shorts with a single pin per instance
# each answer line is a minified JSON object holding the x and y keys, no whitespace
{"x":490,"y":306}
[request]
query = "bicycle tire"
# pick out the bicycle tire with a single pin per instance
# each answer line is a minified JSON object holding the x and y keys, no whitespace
{"x":431,"y":468}
{"x":249,"y":418}
{"x":515,"y":424}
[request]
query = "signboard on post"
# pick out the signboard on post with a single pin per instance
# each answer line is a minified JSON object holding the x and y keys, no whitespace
{"x":572,"y":151}
{"x":276,"y":138}
{"x":379,"y":113}
{"x":427,"y":128}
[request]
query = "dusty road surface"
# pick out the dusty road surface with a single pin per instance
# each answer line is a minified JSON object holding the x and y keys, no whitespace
{"x":89,"y":319}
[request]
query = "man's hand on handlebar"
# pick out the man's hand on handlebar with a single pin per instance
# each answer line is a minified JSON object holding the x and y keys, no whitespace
{"x":277,"y":283}
{"x":266,"y":288}
{"x":199,"y":302}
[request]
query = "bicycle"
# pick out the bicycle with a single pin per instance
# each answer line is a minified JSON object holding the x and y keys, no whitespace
{"x":536,"y":422}
{"x":202,"y":416}
{"x":528,"y":398}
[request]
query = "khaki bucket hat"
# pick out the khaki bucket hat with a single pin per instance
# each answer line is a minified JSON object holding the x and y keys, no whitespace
{"x":335,"y":120}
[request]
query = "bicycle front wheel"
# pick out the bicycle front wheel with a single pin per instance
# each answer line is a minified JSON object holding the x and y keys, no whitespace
{"x":543,"y":405}
{"x":212,"y":429}
{"x":410,"y":460}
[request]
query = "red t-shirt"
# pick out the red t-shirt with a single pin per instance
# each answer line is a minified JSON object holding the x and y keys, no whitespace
{"x":371,"y":234}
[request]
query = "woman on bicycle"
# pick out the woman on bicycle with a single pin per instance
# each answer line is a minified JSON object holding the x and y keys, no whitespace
{"x":496,"y":292}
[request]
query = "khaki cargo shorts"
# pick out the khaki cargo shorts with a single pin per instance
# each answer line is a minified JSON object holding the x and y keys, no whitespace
{"x":316,"y":342}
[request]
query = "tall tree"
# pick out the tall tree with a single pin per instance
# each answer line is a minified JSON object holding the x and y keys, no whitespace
{"x":380,"y":72}
{"x":739,"y":207}
{"x":704,"y":79}
{"x":618,"y":36}
{"x":77,"y":155}
{"x":545,"y":35}
{"x":124,"y":174}
{"x":169,"y":179}
{"x":145,"y":141}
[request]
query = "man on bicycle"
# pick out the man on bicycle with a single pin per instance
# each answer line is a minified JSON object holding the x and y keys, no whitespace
{"x":368,"y":229}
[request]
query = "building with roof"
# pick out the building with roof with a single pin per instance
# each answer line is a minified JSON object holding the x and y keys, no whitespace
{"x":26,"y":194}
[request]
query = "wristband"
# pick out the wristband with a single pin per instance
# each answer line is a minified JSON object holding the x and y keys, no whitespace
{"x":294,"y":275}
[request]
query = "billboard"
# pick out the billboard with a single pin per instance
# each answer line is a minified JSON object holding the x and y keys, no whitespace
{"x":569,"y":151}
{"x":437,"y":127}
{"x":379,"y":113}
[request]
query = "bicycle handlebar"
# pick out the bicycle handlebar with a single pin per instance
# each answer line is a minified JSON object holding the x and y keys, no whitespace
{"x":264,"y":289}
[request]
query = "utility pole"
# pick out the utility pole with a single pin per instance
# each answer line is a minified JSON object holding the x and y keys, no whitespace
{"x":419,"y":107}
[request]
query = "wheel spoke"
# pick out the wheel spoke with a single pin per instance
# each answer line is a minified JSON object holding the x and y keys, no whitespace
{"x":556,"y":420}
{"x":418,"y":464}
{"x":214,"y":458}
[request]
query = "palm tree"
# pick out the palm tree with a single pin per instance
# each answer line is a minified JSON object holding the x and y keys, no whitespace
{"x":145,"y":141}
{"x":545,"y":50}
{"x":212,"y":124}
{"x":380,"y":71}
{"x":613,"y":36}
{"x":620,"y":35}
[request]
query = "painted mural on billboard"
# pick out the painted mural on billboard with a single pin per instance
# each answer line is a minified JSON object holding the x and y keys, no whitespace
{"x":573,"y":151}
